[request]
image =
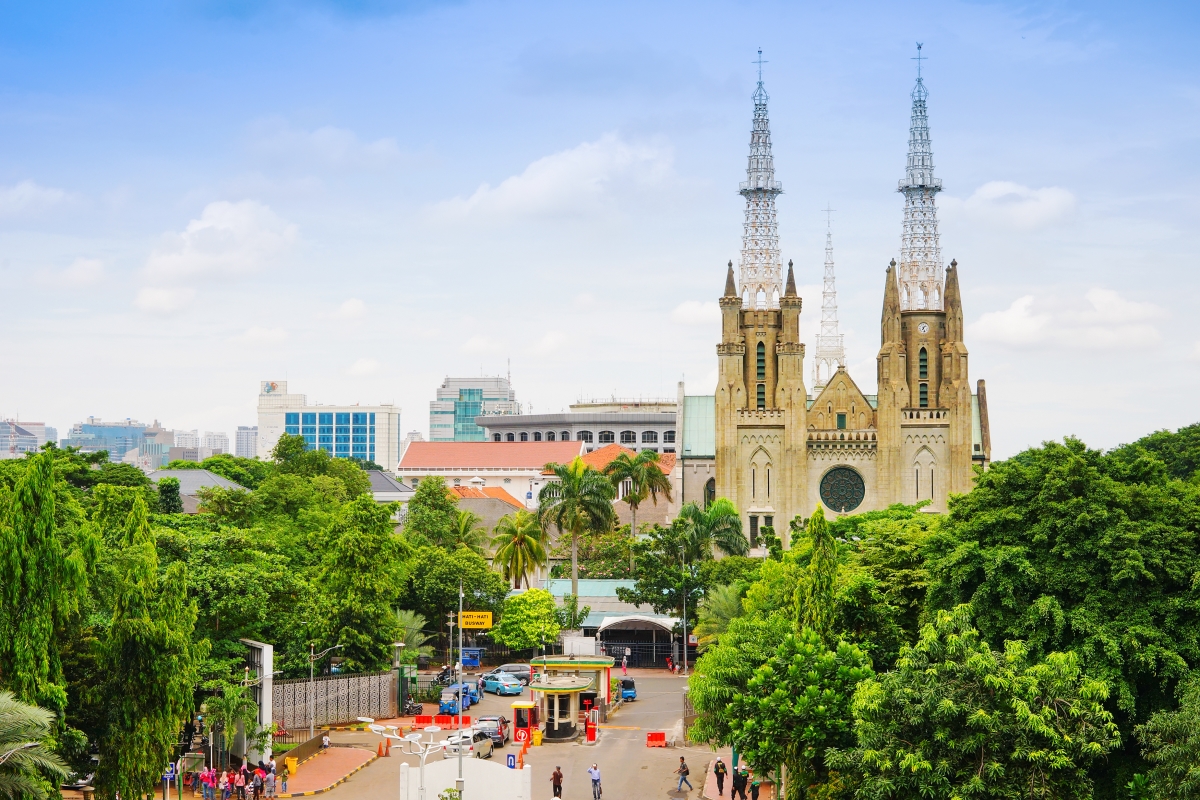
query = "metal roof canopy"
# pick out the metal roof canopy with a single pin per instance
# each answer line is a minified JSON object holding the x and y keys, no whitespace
{"x":638,"y":622}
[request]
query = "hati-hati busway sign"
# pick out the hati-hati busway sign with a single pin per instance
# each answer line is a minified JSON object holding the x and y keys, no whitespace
{"x":477,"y":619}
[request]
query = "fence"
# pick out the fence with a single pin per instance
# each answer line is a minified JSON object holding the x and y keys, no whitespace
{"x":647,"y":654}
{"x":334,"y":699}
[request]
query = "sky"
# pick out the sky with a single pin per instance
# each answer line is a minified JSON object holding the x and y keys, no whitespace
{"x":364,"y":197}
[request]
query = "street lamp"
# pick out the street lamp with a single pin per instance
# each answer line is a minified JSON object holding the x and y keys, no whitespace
{"x":683,"y":564}
{"x":312,"y":700}
{"x":411,"y":745}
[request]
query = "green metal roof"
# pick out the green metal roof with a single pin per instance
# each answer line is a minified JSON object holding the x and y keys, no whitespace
{"x":700,"y":426}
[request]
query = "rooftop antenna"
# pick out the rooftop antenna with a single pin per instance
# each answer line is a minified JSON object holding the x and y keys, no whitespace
{"x":917,"y":58}
{"x":760,"y":62}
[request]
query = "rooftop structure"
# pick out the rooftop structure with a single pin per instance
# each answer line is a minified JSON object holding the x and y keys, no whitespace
{"x":920,"y":271}
{"x":191,"y":481}
{"x":452,"y":416}
{"x":761,"y":270}
{"x":515,"y":467}
{"x":651,"y":426}
{"x":831,"y":353}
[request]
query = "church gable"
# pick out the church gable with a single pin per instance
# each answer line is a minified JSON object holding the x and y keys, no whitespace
{"x":841,"y":405}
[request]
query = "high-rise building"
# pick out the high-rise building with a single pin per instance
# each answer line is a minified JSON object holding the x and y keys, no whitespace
{"x":187,"y":438}
{"x":215,"y":441}
{"x":460,"y":400}
{"x":365,"y":433}
{"x":246,"y":443}
{"x":118,"y":438}
{"x":18,"y":438}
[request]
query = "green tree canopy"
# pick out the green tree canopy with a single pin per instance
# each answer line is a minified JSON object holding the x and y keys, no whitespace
{"x":644,"y":478}
{"x":29,"y":768}
{"x":1171,"y":743}
{"x":434,"y":577}
{"x":520,"y":544}
{"x":575,"y":499}
{"x":432,"y":514}
{"x":718,"y":527}
{"x":528,"y":620}
{"x":169,"y":501}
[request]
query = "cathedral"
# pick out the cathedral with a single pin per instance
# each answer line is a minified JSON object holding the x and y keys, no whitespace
{"x":782,"y":448}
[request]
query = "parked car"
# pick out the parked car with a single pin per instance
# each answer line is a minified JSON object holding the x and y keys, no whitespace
{"x":474,"y":744}
{"x":495,"y":727}
{"x":502,"y":683}
{"x":522,"y":672}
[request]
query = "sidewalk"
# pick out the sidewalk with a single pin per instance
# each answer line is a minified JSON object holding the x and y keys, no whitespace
{"x":766,"y":791}
{"x":327,"y":769}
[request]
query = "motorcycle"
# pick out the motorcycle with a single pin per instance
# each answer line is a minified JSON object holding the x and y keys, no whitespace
{"x":412,"y":708}
{"x":445,"y":677}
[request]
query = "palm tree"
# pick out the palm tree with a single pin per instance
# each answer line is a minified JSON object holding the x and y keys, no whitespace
{"x":25,"y":759}
{"x":720,"y":606}
{"x":520,"y":546}
{"x":227,"y":709}
{"x":576,"y":499}
{"x":469,"y":533}
{"x":719,"y":526}
{"x":646,"y":479}
{"x":412,"y":633}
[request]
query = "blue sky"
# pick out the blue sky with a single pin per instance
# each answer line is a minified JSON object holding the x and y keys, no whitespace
{"x":365,"y":197}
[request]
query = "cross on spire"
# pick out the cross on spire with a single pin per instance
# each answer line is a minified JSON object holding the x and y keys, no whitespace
{"x":917,"y":58}
{"x":760,"y":62}
{"x":828,"y":216}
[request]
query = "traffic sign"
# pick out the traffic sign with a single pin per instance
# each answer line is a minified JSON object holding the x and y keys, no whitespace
{"x":512,"y":761}
{"x":477,"y":619}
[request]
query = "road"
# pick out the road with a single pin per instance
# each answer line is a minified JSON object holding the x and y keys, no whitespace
{"x":629,"y":768}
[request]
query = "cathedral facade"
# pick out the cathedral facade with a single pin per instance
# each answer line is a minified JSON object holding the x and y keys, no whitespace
{"x":782,"y":448}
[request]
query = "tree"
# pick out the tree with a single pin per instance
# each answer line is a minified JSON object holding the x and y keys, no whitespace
{"x":529,"y":620}
{"x":718,"y":527}
{"x":150,"y":663}
{"x":570,"y":616}
{"x":956,"y":719}
{"x":41,"y":586}
{"x":577,"y":498}
{"x":169,"y":501}
{"x":411,"y":627}
{"x":601,"y":554}
{"x":28,"y":766}
{"x":434,"y":576}
{"x":230,"y":707}
{"x":1171,"y":743}
{"x":720,"y":606}
{"x":231,"y":506}
{"x":816,"y":611}
{"x":1179,"y":451}
{"x":796,"y":706}
{"x":432,"y":514}
{"x":664,"y":581}
{"x":645,"y":478}
{"x":520,"y":546}
{"x":469,"y":533}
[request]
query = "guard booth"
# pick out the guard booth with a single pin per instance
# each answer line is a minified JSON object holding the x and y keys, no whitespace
{"x":596,"y":670}
{"x":524,"y":720}
{"x":558,"y":700}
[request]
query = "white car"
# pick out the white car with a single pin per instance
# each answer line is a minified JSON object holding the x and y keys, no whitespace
{"x":475,"y":744}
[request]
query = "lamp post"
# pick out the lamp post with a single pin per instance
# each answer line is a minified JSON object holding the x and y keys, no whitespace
{"x":411,"y":745}
{"x":312,"y":700}
{"x":683,"y":564}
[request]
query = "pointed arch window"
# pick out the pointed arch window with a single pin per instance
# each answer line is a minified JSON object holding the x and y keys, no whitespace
{"x":762,"y":361}
{"x":923,"y":364}
{"x":924,"y":395}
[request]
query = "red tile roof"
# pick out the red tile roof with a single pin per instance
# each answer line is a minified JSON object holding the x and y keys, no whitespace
{"x":602,"y":457}
{"x":500,"y":494}
{"x":486,"y":493}
{"x":487,"y":455}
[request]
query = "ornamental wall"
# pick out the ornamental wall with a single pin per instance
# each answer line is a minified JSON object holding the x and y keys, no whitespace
{"x":857,"y":452}
{"x":925,"y":458}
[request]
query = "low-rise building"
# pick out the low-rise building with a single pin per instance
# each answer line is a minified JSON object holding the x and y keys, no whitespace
{"x":516,"y":467}
{"x":365,"y":433}
{"x":191,"y":481}
{"x":636,"y":424}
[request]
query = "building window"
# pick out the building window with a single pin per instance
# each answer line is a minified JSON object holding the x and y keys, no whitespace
{"x":753,"y":530}
{"x":917,"y":475}
{"x":924,"y":394}
{"x":343,"y":419}
{"x":668,"y":437}
{"x":508,"y":480}
{"x":841,"y":422}
{"x":458,"y":481}
{"x":585,"y":436}
{"x":549,"y":436}
{"x":768,"y":483}
{"x":762,"y":396}
{"x":291,"y":419}
{"x":769,"y":522}
{"x":510,"y":438}
{"x":308,"y":419}
{"x":415,"y":481}
{"x":762,"y":361}
{"x":607,"y":437}
{"x":325,"y":419}
{"x":668,"y":449}
{"x":565,"y":436}
{"x":649,"y":437}
{"x":752,"y":486}
{"x":628,"y":437}
{"x":495,"y":437}
{"x":710,"y":492}
{"x":524,"y":437}
{"x":537,"y":436}
{"x":923,"y":364}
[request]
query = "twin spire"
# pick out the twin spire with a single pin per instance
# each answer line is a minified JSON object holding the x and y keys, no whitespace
{"x":760,"y":265}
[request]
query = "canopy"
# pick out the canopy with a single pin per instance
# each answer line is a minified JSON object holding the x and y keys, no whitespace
{"x":638,"y":622}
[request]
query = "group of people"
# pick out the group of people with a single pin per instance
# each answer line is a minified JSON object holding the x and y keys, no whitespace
{"x":742,"y":779}
{"x":246,"y":783}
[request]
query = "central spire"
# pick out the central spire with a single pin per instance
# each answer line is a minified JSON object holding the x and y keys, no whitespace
{"x":920,"y":252}
{"x":760,"y":267}
{"x":831,"y":353}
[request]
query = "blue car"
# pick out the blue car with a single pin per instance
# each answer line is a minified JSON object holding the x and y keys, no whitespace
{"x":501,"y":683}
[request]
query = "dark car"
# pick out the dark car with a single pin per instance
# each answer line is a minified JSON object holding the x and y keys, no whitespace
{"x":495,"y":727}
{"x":522,"y":672}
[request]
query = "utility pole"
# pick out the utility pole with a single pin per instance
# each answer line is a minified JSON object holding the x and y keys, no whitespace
{"x":683,"y":563}
{"x":461,"y":688}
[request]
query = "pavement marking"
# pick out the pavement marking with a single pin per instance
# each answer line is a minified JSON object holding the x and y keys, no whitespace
{"x":327,"y":788}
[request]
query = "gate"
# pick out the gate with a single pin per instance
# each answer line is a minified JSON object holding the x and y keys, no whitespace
{"x":334,"y":699}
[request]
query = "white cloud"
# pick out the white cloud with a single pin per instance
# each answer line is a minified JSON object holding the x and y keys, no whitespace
{"x":159,"y":300}
{"x":568,"y":182}
{"x":328,"y":145}
{"x":1006,"y":204}
{"x":82,"y":272}
{"x":364,"y":366}
{"x":1107,"y":321}
{"x":260,"y":336}
{"x":694,"y":312}
{"x":29,"y":196}
{"x":229,"y":239}
{"x":480,"y":344}
{"x":549,"y":343}
{"x":351,"y":309}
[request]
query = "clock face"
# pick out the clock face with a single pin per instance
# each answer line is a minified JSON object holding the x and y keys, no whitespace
{"x":923,"y":327}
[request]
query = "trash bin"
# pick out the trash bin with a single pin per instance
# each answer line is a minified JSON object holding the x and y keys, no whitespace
{"x":292,"y":763}
{"x":537,"y":737}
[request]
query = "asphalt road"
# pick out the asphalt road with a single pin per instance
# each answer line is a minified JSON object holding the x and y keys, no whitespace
{"x":628,"y":768}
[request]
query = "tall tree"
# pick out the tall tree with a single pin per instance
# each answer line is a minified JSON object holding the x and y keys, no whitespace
{"x":576,"y":498}
{"x":1171,"y":743}
{"x":646,"y":480}
{"x":412,"y":633}
{"x":230,"y":707}
{"x":150,"y":663}
{"x":41,"y":586}
{"x":469,"y":533}
{"x":720,"y":606}
{"x":717,"y":527}
{"x":520,"y":546}
{"x":169,"y":501}
{"x":816,"y":612}
{"x":432,"y":514}
{"x":529,"y":620}
{"x":28,"y":766}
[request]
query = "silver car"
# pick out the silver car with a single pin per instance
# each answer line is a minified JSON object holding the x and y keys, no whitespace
{"x":474,"y":744}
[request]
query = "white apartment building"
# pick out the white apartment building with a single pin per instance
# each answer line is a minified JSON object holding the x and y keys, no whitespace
{"x":366,"y":433}
{"x":216,"y":441}
{"x":246,"y":442}
{"x":187,"y":439}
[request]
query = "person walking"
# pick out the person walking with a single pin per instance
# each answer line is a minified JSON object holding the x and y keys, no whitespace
{"x":625,"y":666}
{"x":284,"y":779}
{"x":594,"y":774}
{"x":739,"y":784}
{"x":683,"y":773}
{"x":239,"y":783}
{"x":720,"y":771}
{"x":269,"y":781}
{"x":556,"y":779}
{"x":223,"y":785}
{"x":754,"y":786}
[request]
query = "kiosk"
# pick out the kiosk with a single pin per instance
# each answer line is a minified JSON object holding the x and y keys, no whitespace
{"x":524,"y":720}
{"x":558,"y":699}
{"x":596,"y":669}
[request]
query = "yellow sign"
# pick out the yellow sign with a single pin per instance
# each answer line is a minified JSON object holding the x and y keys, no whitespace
{"x":476,"y":619}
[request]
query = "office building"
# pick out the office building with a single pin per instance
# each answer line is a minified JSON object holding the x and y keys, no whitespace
{"x":636,"y":424}
{"x":365,"y":433}
{"x":117,"y":438}
{"x":452,"y":416}
{"x":187,"y":438}
{"x":215,"y":441}
{"x":16,"y":439}
{"x":246,"y":441}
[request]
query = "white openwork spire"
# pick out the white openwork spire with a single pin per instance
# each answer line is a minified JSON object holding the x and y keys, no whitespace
{"x":920,"y":271}
{"x":760,"y":269}
{"x":831,"y":353}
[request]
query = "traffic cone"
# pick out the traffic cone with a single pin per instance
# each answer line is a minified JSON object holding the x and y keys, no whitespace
{"x":379,"y":751}
{"x":387,"y":750}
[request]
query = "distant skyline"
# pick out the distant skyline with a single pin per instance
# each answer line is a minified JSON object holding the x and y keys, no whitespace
{"x":365,"y":197}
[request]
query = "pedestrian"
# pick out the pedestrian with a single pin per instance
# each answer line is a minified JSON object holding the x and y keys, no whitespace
{"x":556,"y":779}
{"x":239,"y":783}
{"x":257,"y":784}
{"x":325,"y":742}
{"x":594,"y":774}
{"x":285,"y":776}
{"x":270,"y":782}
{"x":271,"y":763}
{"x":223,"y":785}
{"x":720,"y":771}
{"x":739,"y":784}
{"x":754,"y":786}
{"x":683,"y":772}
{"x":625,"y":665}
{"x":670,"y":665}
